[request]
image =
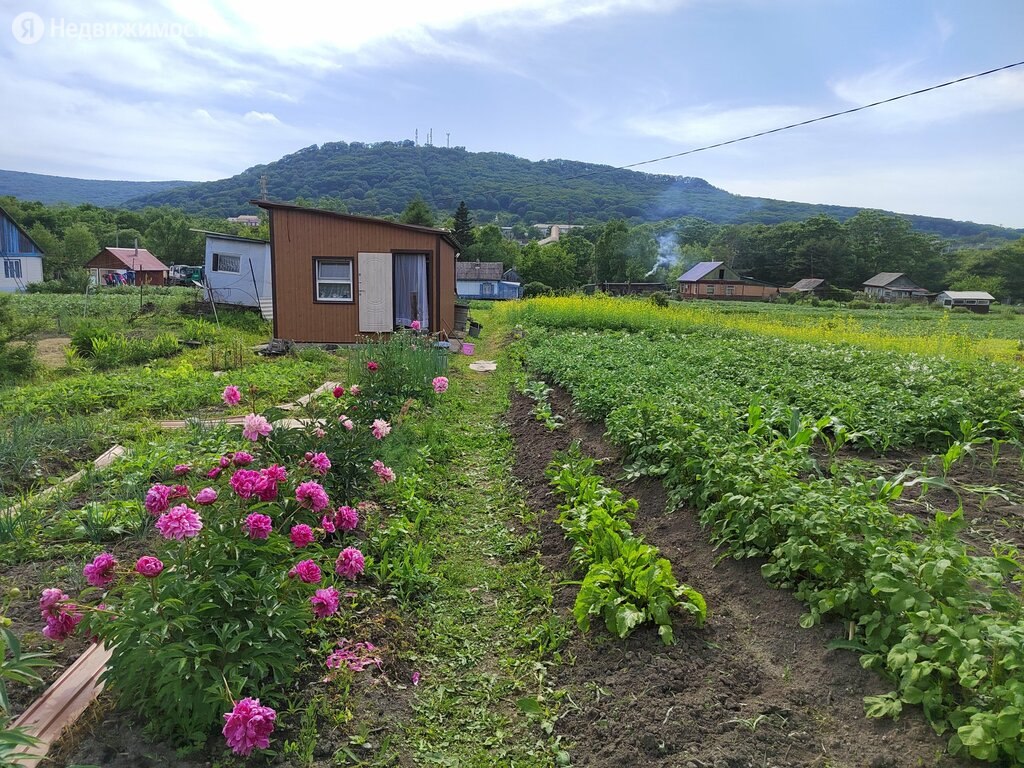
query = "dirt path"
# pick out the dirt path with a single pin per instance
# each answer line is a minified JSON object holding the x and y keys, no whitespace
{"x":751,"y":689}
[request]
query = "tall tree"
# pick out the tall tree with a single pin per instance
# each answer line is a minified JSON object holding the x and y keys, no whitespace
{"x":548,"y":264}
{"x":417,"y":212}
{"x":463,"y":228}
{"x":80,"y":245}
{"x":610,"y":253}
{"x":53,"y":251}
{"x":170,"y":239}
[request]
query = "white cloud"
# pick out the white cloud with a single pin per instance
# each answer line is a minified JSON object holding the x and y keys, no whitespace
{"x":261,"y":117}
{"x":709,"y":124}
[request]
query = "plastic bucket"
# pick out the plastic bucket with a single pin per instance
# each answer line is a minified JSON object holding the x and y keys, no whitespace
{"x":468,"y":348}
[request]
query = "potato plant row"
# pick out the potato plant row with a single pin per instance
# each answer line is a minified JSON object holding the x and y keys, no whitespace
{"x":721,"y":420}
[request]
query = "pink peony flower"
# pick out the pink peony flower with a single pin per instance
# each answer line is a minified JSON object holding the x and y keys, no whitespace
{"x":248,"y":726}
{"x":355,"y":656}
{"x":50,"y":602}
{"x":179,"y":523}
{"x":386,"y":474}
{"x":325,"y":602}
{"x":100,"y":572}
{"x":266,"y":489}
{"x":301,"y":535}
{"x":275,"y":473}
{"x":182,"y":469}
{"x":339,"y":391}
{"x":179,"y":492}
{"x":231,"y":395}
{"x":346,"y":422}
{"x":214,"y":473}
{"x":415,"y":325}
{"x":307,"y":571}
{"x":372,"y":366}
{"x":224,"y":462}
{"x":244,"y":482}
{"x":158,"y":499}
{"x":350,"y":563}
{"x":346,"y":519}
{"x":327,"y":523}
{"x":312,"y":495}
{"x":256,"y":426}
{"x":381,"y":429}
{"x":62,"y":626}
{"x":206,"y":496}
{"x":149,"y":566}
{"x":320,"y":462}
{"x":354,"y":390}
{"x":440,"y":384}
{"x":319,"y":433}
{"x":242,"y":458}
{"x":258,"y":526}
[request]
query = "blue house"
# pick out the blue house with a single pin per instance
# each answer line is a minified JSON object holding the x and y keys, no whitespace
{"x":22,"y":258}
{"x":486,"y":280}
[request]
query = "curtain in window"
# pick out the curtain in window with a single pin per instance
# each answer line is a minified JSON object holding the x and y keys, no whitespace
{"x":411,"y":289}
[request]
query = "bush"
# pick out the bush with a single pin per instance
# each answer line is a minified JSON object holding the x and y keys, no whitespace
{"x":858,"y":304}
{"x":536,"y":289}
{"x":392,"y":369}
{"x":18,"y":360}
{"x":842,"y":294}
{"x":76,"y":281}
{"x":199,"y":329}
{"x":84,"y":336}
{"x":659,"y":299}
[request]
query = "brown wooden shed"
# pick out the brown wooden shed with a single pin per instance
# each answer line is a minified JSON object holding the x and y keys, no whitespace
{"x":148,"y":269}
{"x":337,"y":277}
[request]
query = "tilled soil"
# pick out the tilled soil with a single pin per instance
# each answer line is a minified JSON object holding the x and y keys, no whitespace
{"x":749,"y":689}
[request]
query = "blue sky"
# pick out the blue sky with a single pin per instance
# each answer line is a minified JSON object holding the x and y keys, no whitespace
{"x":200,"y":89}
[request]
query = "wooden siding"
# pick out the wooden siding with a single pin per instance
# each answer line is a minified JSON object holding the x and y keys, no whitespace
{"x":105,"y":262}
{"x":299,"y":237}
{"x":741,"y":291}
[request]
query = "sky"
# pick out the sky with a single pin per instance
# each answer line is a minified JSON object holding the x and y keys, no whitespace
{"x":202,"y":89}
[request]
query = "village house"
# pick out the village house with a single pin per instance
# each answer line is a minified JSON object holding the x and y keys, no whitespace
{"x":336,"y":277}
{"x":810,"y":286}
{"x":486,"y":280}
{"x":21,"y":255}
{"x":975,"y":301}
{"x":131,"y":266}
{"x":894,"y":286}
{"x":715,"y":280}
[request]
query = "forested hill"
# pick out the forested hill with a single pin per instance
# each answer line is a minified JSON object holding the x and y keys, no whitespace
{"x":63,"y":189}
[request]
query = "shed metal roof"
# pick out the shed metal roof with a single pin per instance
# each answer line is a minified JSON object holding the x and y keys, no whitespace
{"x":975,"y":295}
{"x":139,"y":260}
{"x":807,"y":284}
{"x":697,"y":271}
{"x":882,"y":279}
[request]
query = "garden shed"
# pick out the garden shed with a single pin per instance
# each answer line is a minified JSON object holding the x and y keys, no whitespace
{"x":716,"y":280}
{"x":486,"y":280}
{"x":238,"y":271}
{"x":22,"y":257}
{"x":810,"y":286}
{"x":146,"y":268}
{"x":336,"y":277}
{"x":976,"y":301}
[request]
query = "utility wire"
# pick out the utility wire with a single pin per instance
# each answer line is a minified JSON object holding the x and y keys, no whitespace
{"x":795,"y":125}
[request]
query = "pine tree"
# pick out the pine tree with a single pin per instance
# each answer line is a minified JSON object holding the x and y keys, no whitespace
{"x":463,"y":230}
{"x":417,"y":212}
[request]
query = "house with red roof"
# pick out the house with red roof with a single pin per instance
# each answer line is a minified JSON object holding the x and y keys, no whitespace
{"x":143,"y":266}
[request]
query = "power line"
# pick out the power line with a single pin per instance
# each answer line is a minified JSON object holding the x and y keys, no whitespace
{"x":795,"y":125}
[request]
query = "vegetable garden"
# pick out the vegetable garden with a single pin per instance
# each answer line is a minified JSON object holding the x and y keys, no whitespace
{"x":652,"y":536}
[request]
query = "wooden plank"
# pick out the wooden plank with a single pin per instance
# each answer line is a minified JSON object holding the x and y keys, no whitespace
{"x":62,"y":703}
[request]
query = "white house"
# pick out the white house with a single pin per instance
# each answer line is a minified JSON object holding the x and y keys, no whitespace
{"x":21,"y":256}
{"x":238,"y":271}
{"x":976,"y":301}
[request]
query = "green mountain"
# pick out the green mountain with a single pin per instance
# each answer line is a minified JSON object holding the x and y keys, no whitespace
{"x":62,"y":189}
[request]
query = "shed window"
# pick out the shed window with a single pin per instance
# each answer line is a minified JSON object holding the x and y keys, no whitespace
{"x":711,"y":290}
{"x":334,"y":280}
{"x":227,"y":262}
{"x":12,"y":268}
{"x":729,"y":290}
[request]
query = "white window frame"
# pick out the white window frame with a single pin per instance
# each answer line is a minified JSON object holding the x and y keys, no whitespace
{"x":711,"y":290}
{"x":730,"y":290}
{"x":217,"y":263}
{"x":317,"y":280}
{"x":12,"y":269}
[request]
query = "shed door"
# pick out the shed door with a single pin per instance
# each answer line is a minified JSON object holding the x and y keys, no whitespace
{"x":376,"y":311}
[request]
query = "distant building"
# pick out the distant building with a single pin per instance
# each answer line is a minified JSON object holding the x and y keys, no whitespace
{"x":894,"y":286}
{"x":246,"y":218}
{"x":625,"y":289}
{"x":976,"y":301}
{"x":715,"y":280}
{"x":810,"y":286}
{"x":486,"y":280}
{"x":21,"y":256}
{"x":136,"y":265}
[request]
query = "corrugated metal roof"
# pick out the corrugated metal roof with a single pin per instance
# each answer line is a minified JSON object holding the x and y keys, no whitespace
{"x":479,"y":270}
{"x":139,"y":260}
{"x":224,"y":236}
{"x":968,"y":295}
{"x":697,"y":271}
{"x":807,"y":284}
{"x":882,"y":279}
